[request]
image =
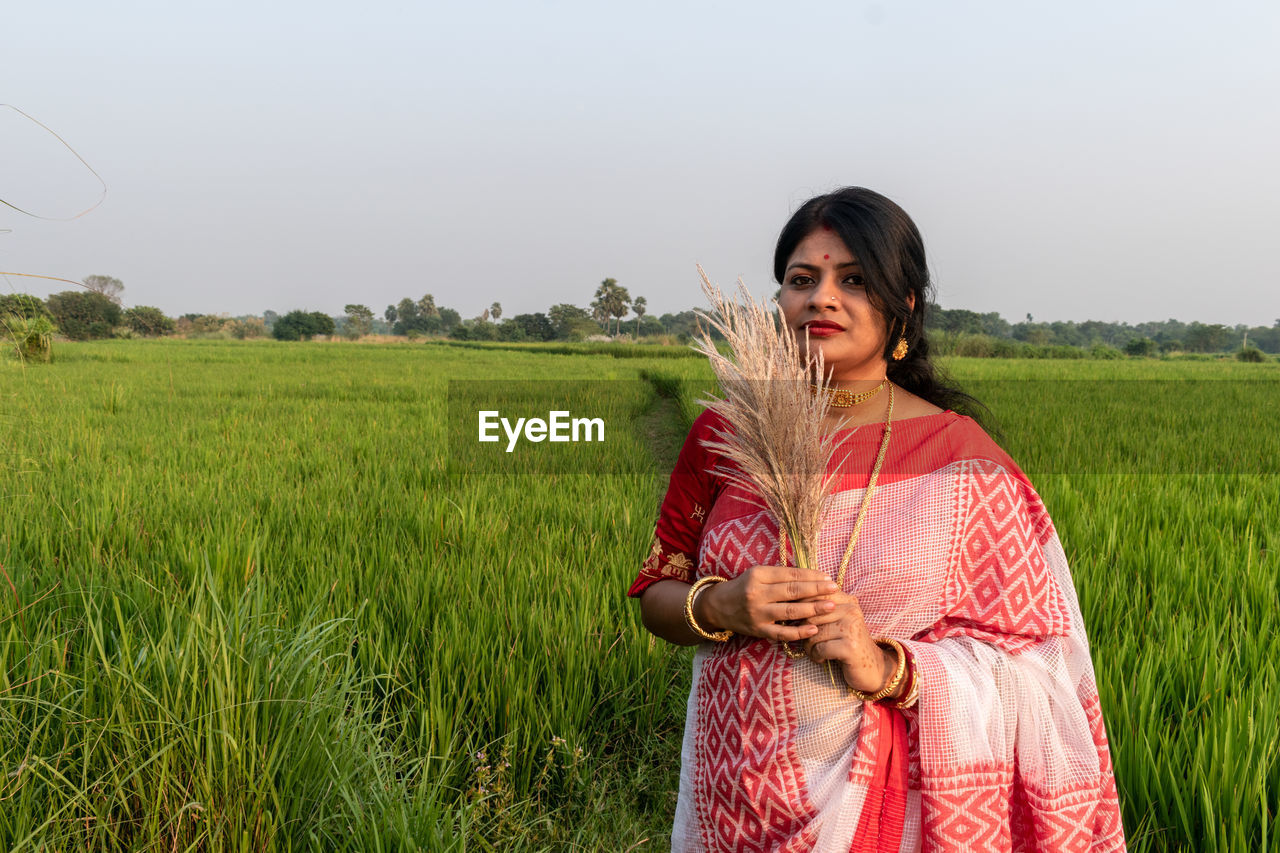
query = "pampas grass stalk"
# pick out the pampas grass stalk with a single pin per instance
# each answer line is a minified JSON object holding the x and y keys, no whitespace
{"x":776,"y":440}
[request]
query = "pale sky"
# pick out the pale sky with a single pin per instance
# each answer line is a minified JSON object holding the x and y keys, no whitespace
{"x":1086,"y":160}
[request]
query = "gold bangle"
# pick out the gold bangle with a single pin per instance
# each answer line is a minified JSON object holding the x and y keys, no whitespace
{"x":913,"y":694}
{"x":895,"y":681}
{"x":698,"y":587}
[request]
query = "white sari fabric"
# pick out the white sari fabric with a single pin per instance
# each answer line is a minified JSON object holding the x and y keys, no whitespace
{"x":1005,"y":749}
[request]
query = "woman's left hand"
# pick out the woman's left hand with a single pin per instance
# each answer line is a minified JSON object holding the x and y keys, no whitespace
{"x":843,"y":638}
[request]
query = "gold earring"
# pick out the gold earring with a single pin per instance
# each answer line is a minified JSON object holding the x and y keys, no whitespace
{"x":900,"y":351}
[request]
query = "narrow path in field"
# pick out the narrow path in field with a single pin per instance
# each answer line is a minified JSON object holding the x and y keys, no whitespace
{"x":663,"y":431}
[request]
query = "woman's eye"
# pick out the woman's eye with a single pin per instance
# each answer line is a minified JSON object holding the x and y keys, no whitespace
{"x":855,"y":281}
{"x":801,"y":281}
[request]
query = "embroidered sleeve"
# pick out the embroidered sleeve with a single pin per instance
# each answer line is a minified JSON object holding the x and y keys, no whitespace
{"x":673,"y":554}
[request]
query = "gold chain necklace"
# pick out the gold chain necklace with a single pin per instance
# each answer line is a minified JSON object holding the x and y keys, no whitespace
{"x":862,"y":512}
{"x":843,"y":398}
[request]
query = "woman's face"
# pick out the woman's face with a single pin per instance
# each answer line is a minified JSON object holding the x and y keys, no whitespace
{"x":823,"y":292}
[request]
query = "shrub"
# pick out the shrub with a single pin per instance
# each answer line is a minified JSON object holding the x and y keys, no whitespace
{"x":1055,"y":351}
{"x":973,"y":346}
{"x":82,"y":315}
{"x":536,"y":327}
{"x":1250,"y":354}
{"x":475,"y":330}
{"x":302,"y":326}
{"x":22,"y":305}
{"x":204,"y":326}
{"x":1142,"y":347}
{"x":149,"y":322}
{"x":511,"y":331}
{"x":1104,"y":352}
{"x":1001,"y":348}
{"x":247,"y":327}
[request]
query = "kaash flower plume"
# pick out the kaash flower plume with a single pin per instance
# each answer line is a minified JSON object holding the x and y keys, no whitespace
{"x":775,"y":438}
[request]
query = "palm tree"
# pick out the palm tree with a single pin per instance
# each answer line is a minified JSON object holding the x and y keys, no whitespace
{"x":612,"y":300}
{"x":639,"y":306}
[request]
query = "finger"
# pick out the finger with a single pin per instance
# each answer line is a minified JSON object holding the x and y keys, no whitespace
{"x":837,"y":616}
{"x":846,"y":610}
{"x":797,"y":590}
{"x":787,"y":633}
{"x":788,"y":611}
{"x":840,"y":599}
{"x":827,"y":632}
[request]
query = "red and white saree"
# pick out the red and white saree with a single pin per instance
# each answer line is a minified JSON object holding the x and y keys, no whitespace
{"x":1005,"y":749}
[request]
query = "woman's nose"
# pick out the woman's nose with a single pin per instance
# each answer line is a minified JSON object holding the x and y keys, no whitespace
{"x":825,"y":293}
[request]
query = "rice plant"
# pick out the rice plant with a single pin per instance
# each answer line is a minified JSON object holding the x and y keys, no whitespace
{"x":255,"y":596}
{"x":28,"y":338}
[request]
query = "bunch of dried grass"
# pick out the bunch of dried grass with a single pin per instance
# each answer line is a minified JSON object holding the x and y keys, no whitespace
{"x":776,"y":439}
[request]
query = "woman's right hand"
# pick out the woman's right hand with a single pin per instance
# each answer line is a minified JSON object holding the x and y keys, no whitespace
{"x":762,"y":597}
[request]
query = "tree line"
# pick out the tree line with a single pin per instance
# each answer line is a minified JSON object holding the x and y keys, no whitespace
{"x":1150,"y":338}
{"x":96,"y":312}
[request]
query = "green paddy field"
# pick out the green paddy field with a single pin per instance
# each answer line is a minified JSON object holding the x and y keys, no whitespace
{"x":265,"y":596}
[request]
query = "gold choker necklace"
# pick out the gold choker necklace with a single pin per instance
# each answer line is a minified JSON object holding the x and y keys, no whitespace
{"x":842,"y":398}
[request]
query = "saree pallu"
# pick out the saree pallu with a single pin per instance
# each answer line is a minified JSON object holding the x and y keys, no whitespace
{"x":1005,"y":749}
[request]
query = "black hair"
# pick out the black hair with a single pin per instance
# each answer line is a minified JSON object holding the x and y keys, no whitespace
{"x":889,"y":249}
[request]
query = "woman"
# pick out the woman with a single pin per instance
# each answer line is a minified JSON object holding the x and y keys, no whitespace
{"x":968,"y":716}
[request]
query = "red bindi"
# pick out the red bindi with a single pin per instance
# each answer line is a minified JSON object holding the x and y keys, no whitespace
{"x":826,"y":257}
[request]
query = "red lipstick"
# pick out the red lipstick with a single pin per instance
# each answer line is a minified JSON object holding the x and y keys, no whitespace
{"x":822,"y":328}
